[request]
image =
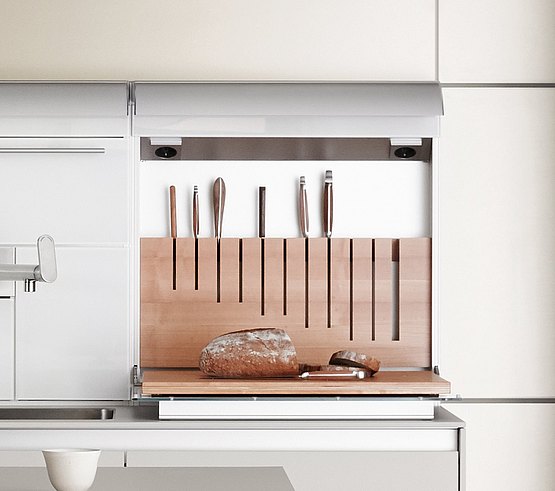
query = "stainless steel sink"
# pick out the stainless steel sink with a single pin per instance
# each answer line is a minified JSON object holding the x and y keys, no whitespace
{"x":56,"y":413}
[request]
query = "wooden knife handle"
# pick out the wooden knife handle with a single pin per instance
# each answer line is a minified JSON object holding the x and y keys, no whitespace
{"x":173,"y":214}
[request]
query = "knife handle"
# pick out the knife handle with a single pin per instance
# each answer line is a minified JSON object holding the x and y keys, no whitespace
{"x":262,"y":211}
{"x":196,"y":225}
{"x":173,"y":214}
{"x":303,"y":208}
{"x":328,"y":205}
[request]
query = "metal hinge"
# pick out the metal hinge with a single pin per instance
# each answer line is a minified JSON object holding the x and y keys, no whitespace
{"x":131,"y":101}
{"x":436,"y":370}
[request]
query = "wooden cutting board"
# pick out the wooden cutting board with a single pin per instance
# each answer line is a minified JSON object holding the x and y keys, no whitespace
{"x":193,"y":382}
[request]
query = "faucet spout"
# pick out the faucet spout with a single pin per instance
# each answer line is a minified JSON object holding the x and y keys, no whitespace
{"x":45,"y":271}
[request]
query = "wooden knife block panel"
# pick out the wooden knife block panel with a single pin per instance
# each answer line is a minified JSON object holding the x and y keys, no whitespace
{"x":355,"y":309}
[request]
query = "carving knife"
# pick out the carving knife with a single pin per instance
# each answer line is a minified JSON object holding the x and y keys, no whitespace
{"x":219,"y":204}
{"x":196,"y":228}
{"x":173,"y":233}
{"x":303,"y":207}
{"x":328,"y":226}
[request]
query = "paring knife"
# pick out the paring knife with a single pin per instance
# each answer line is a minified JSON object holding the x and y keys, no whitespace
{"x":303,"y":207}
{"x":355,"y":374}
{"x":195,"y":213}
{"x":328,"y":204}
{"x":219,"y":204}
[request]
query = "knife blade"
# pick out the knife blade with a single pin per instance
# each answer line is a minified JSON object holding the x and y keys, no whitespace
{"x":219,"y":204}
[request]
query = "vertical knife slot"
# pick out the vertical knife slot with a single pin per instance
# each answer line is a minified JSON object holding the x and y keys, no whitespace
{"x":218,"y":272}
{"x":262,"y":277}
{"x":284,"y":277}
{"x":373,"y":290}
{"x":240,"y":270}
{"x":395,"y":290}
{"x":196,"y":264}
{"x":306,"y":295}
{"x":174,"y":264}
{"x":351,"y":299}
{"x":328,"y":283}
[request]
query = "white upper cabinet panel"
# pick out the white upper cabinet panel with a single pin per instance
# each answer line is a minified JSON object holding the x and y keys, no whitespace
{"x":6,"y":348}
{"x":497,"y":41}
{"x":73,"y":334}
{"x":497,"y":240}
{"x":287,"y":109}
{"x":57,"y":109}
{"x":76,"y":190}
{"x":219,"y":40}
{"x":509,"y":447}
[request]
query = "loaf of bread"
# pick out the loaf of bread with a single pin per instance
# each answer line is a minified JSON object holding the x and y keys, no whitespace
{"x":250,"y":353}
{"x":358,"y":360}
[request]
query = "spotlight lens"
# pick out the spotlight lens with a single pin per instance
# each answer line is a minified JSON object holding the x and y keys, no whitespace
{"x":405,"y":152}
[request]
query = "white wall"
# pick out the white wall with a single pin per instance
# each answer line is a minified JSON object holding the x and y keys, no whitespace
{"x":473,"y":42}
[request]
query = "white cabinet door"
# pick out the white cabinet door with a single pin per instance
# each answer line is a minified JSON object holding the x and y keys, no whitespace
{"x":73,"y":334}
{"x":497,"y":41}
{"x":76,"y":190}
{"x":496,"y":242}
{"x":508,"y":446}
{"x":6,"y":348}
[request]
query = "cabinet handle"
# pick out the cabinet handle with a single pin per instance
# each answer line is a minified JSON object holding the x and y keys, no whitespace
{"x":54,"y":150}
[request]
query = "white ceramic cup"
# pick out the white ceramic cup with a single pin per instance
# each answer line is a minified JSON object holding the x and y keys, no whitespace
{"x":71,"y":469}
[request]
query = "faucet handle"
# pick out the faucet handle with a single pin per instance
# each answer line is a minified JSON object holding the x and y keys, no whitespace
{"x":46,"y":270}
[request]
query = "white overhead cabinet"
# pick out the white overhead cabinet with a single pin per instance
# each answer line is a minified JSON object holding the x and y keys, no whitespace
{"x":496,"y":240}
{"x":508,"y":446}
{"x":73,"y":334}
{"x":65,"y":171}
{"x":497,"y":41}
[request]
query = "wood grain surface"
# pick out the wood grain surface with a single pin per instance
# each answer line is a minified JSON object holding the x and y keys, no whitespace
{"x":288,"y":287}
{"x":191,"y":382}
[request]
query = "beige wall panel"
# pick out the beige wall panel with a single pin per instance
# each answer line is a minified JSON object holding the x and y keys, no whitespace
{"x":509,"y":447}
{"x":497,"y":242}
{"x":218,"y":40}
{"x":497,"y":41}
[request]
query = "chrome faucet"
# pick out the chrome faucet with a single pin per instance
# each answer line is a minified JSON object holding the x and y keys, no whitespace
{"x":45,"y":271}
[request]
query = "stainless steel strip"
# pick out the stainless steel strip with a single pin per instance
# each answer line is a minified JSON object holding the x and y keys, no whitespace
{"x":52,"y":150}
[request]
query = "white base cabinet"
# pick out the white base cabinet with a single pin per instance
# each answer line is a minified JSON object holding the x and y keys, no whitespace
{"x":328,"y":471}
{"x":73,"y":338}
{"x":6,"y":348}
